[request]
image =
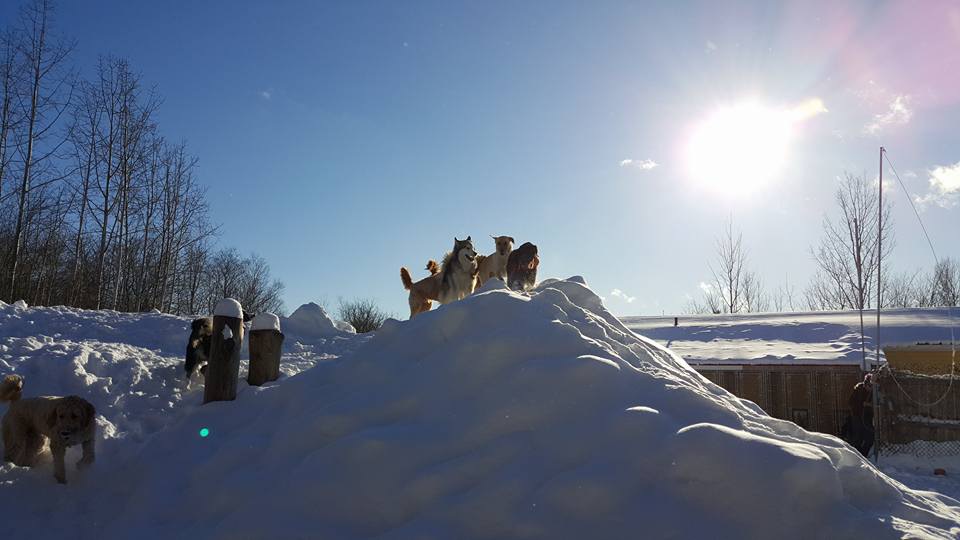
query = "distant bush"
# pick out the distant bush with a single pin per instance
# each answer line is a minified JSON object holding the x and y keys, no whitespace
{"x":363,"y":314}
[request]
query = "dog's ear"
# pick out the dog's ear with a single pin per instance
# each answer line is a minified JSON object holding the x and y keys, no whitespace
{"x":510,"y":238}
{"x":89,"y":411}
{"x":52,"y":418}
{"x":468,"y":239}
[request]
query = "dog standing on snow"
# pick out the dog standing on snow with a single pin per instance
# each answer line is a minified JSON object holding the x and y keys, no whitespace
{"x":452,"y":281}
{"x":522,"y":267}
{"x":495,"y":264}
{"x":198,"y":346}
{"x":65,"y":421}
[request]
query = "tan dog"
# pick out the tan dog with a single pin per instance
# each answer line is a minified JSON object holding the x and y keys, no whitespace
{"x":495,"y":264}
{"x":452,"y":281}
{"x":65,"y":421}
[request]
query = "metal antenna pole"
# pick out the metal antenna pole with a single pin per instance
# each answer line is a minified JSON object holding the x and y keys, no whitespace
{"x":874,"y":389}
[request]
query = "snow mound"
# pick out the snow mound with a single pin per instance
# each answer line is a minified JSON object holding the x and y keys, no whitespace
{"x":500,"y":416}
{"x":310,"y":322}
{"x":265,"y":321}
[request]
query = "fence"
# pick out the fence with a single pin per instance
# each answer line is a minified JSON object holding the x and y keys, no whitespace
{"x":919,"y":414}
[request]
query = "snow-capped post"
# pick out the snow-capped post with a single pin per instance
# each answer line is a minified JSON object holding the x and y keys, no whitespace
{"x":266,"y":340}
{"x":223,"y":368}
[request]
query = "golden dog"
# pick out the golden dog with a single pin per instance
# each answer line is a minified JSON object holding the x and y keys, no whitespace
{"x":65,"y":421}
{"x":495,"y":264}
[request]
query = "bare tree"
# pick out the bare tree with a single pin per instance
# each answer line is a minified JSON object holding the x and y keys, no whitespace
{"x":755,"y":298}
{"x":901,"y":291}
{"x":849,"y":256}
{"x":97,"y":209}
{"x":48,"y":95}
{"x":362,"y":314}
{"x":943,"y":286}
{"x":734,"y":288}
{"x":9,"y":71}
{"x":784,"y":298}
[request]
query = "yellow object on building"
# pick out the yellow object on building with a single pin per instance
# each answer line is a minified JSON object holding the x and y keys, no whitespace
{"x":923,"y":358}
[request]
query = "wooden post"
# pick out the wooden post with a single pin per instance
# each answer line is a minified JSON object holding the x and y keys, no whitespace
{"x":266,"y":342}
{"x":223,"y":368}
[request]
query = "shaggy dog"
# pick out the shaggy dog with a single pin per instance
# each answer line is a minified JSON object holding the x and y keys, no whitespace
{"x":495,"y":264}
{"x":522,"y":267}
{"x":198,"y":346}
{"x":452,"y":281}
{"x":64,"y":421}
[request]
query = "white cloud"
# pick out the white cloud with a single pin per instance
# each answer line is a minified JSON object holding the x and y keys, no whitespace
{"x":706,"y":287}
{"x":898,"y":113}
{"x":711,"y":46}
{"x":620,"y":294}
{"x":944,"y":186}
{"x":266,"y":94}
{"x":644,"y":164}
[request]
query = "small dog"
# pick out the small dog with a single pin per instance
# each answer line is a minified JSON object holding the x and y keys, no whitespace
{"x":453,"y":280}
{"x":65,"y":421}
{"x":198,"y":346}
{"x":495,"y":264}
{"x":522,"y":267}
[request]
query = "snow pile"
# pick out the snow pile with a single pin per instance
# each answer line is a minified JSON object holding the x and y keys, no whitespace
{"x":265,"y":321}
{"x":310,"y":322}
{"x":503,"y":415}
{"x":500,"y":416}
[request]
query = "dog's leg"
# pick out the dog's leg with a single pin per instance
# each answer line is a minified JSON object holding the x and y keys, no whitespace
{"x":10,"y":443}
{"x":89,"y":454}
{"x":59,"y":470}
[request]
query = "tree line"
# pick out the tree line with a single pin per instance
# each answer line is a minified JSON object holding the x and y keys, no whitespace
{"x":851,"y":250}
{"x":97,"y":208}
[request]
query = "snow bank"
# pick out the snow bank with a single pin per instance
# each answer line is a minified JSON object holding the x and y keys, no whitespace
{"x":500,"y":416}
{"x":265,"y":321}
{"x":504,"y":415}
{"x":130,"y":366}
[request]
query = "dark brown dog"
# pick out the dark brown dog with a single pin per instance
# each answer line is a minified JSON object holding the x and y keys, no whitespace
{"x":522,"y":267}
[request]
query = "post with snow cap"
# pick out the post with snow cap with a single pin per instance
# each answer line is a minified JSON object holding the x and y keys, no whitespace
{"x":266,"y":340}
{"x":223,"y":368}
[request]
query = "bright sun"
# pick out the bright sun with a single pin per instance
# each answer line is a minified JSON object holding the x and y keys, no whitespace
{"x":740,"y":148}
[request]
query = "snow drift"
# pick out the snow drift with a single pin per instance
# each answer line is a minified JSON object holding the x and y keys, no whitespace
{"x":499,"y":416}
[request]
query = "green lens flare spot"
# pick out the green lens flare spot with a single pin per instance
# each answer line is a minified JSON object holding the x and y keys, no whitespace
{"x":204,"y":432}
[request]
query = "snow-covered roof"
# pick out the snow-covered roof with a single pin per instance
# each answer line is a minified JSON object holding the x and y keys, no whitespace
{"x":812,"y":338}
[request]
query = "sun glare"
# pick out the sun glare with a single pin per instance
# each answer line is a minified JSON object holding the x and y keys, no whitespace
{"x":738,"y":149}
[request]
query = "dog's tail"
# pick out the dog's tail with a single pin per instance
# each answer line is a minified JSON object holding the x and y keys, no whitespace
{"x":433,"y":267}
{"x":11,"y":388}
{"x":405,"y":278}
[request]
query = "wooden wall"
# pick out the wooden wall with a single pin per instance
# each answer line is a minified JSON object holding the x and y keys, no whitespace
{"x":813,"y":397}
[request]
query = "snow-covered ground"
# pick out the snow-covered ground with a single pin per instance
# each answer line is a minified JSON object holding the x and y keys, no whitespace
{"x":499,"y":416}
{"x":823,"y":337}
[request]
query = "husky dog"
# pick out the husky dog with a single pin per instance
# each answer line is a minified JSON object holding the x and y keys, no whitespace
{"x":452,"y":281}
{"x":198,"y":346}
{"x":495,"y":264}
{"x":522,"y":267}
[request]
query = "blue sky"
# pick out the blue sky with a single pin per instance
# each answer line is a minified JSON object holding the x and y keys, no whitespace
{"x":343,"y":140}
